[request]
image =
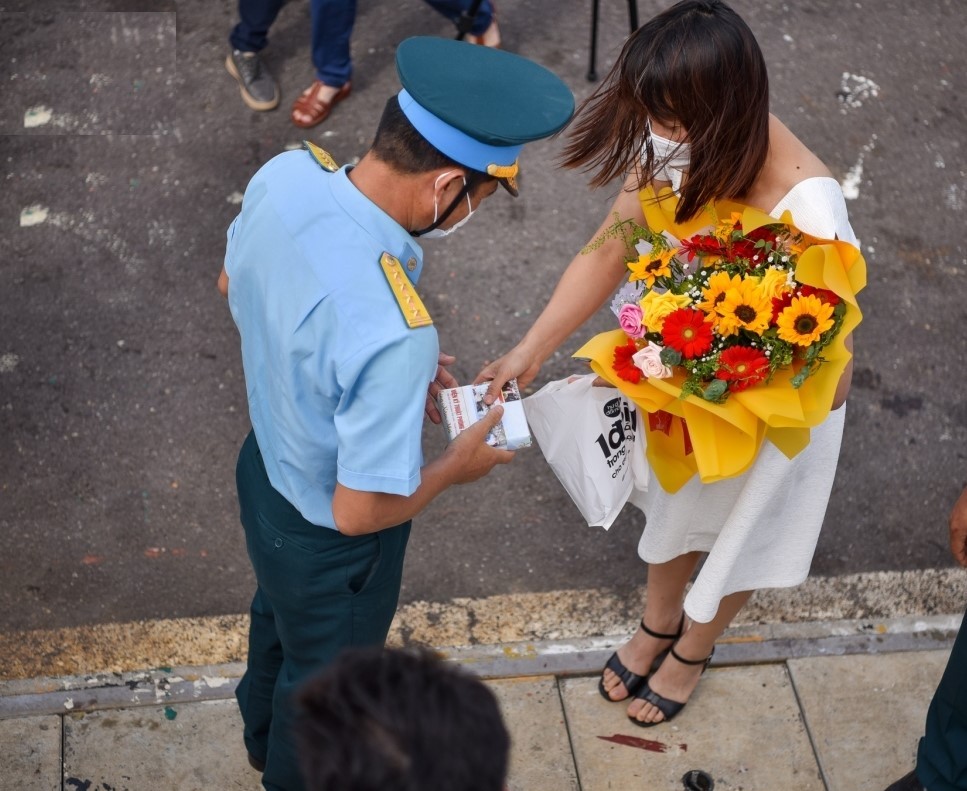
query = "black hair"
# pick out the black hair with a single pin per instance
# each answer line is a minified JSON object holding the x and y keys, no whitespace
{"x":399,"y":144}
{"x":399,"y":720}
{"x":696,"y":64}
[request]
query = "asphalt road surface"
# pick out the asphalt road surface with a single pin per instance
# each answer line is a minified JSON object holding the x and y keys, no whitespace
{"x":125,"y":149}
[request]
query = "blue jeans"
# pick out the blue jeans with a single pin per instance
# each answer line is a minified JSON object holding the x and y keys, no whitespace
{"x":452,"y":9}
{"x":318,"y":592}
{"x":332,"y":27}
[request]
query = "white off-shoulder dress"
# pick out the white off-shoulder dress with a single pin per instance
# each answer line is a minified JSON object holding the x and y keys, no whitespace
{"x":759,"y":529}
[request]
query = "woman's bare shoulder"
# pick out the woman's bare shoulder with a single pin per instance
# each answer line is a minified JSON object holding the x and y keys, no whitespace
{"x":790,"y":158}
{"x":789,"y":163}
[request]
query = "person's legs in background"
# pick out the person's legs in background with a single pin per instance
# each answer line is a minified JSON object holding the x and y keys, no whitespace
{"x":332,"y":27}
{"x":248,"y":38}
{"x":484,"y":29}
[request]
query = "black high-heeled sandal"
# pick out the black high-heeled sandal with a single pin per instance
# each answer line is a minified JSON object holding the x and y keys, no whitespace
{"x":630,"y":679}
{"x":670,"y":708}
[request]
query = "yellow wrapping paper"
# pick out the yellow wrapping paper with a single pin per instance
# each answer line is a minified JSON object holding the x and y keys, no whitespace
{"x":725,"y":438}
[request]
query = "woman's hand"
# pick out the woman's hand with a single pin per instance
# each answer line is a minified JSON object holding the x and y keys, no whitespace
{"x":518,"y":362}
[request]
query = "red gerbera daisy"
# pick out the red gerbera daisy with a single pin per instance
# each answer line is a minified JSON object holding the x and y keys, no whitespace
{"x":829,"y":297}
{"x":687,"y":332}
{"x":780,"y":304}
{"x":742,"y":367}
{"x":702,"y":245}
{"x":623,"y":364}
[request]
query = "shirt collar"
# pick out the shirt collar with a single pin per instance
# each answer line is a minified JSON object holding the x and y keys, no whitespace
{"x":392,"y":237}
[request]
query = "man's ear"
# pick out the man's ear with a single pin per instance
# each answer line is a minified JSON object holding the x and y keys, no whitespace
{"x":447,"y":182}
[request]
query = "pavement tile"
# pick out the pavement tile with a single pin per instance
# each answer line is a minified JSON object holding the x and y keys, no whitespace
{"x":541,"y":753}
{"x":194,"y":746}
{"x":742,"y":726}
{"x":866,"y":713}
{"x":30,"y":747}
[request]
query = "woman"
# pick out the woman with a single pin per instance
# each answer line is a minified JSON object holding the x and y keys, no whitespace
{"x":686,"y":106}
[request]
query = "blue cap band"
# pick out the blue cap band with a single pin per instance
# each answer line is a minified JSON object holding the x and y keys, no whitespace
{"x":457,"y":145}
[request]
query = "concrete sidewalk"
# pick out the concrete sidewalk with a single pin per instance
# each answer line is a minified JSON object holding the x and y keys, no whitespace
{"x":836,"y":705}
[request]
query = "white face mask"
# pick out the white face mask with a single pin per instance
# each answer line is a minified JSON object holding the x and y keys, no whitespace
{"x":439,"y":233}
{"x":671,"y":159}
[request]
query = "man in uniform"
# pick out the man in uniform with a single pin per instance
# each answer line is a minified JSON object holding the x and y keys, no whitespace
{"x":339,"y":352}
{"x":942,"y":752}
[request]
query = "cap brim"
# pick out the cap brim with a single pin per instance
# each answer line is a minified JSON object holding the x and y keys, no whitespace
{"x":511,"y":185}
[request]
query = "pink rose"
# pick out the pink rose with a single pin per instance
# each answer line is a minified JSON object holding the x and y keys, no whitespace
{"x":629,"y":318}
{"x":648,"y":360}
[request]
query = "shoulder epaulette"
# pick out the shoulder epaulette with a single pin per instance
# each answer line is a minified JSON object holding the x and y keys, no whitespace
{"x":414,"y":312}
{"x":324,"y":158}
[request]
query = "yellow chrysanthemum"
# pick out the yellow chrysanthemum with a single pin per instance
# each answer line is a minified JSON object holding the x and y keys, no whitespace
{"x":655,"y":306}
{"x":657,"y":263}
{"x":714,"y":292}
{"x":805,"y":320}
{"x":775,"y":283}
{"x":744,"y":307}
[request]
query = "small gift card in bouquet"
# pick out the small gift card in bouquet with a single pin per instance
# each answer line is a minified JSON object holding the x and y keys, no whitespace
{"x":461,"y":407}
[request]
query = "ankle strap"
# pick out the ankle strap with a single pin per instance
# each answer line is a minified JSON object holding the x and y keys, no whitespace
{"x":685,"y":661}
{"x":659,"y":635}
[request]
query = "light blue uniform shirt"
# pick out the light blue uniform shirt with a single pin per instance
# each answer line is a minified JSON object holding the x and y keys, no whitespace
{"x":336,"y":380}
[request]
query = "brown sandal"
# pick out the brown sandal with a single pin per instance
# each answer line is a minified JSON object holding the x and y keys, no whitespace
{"x":310,"y":107}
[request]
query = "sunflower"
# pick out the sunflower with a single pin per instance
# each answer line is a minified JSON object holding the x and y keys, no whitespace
{"x":806,"y":318}
{"x":714,"y":292}
{"x":687,"y":332}
{"x":744,"y":307}
{"x":657,"y":263}
{"x":742,"y":367}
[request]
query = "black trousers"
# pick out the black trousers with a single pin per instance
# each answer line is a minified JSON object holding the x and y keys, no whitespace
{"x":318,"y":592}
{"x":942,"y":756}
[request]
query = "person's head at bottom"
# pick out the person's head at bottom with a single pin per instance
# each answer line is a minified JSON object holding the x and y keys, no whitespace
{"x":380,"y":719}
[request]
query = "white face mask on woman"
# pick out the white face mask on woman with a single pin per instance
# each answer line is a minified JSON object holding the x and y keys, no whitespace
{"x":671,"y":159}
{"x":439,"y":233}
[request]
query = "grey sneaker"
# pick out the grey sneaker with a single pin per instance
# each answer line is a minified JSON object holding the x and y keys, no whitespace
{"x":259,"y":89}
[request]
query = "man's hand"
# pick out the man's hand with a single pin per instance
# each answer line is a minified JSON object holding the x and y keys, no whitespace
{"x":466,"y":459}
{"x":469,"y":456}
{"x":223,"y":283}
{"x":958,"y":529}
{"x":444,"y":381}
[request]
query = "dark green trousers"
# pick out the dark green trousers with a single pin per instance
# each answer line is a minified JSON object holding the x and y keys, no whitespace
{"x":942,"y":756}
{"x":318,"y":592}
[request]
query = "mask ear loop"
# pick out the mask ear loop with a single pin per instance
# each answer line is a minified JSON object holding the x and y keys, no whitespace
{"x":464,"y":193}
{"x":648,"y":161}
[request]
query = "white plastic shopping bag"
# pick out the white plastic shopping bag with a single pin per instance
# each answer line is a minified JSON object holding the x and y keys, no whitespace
{"x":588,"y":436}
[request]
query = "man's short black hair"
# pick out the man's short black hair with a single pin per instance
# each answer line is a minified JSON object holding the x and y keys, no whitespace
{"x":399,"y":720}
{"x":399,"y":144}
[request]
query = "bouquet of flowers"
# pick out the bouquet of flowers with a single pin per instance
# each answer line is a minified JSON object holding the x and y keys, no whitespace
{"x":736,"y":329}
{"x":724,"y":305}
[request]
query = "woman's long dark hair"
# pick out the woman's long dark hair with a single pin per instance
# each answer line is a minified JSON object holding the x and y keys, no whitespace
{"x":698,"y":65}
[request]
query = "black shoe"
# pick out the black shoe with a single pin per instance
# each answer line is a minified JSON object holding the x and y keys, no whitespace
{"x":258,"y":87}
{"x":632,"y":681}
{"x":908,"y":782}
{"x":670,"y":708}
{"x":255,"y":763}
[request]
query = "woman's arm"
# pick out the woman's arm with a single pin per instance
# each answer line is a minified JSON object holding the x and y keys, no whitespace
{"x":589,"y":280}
